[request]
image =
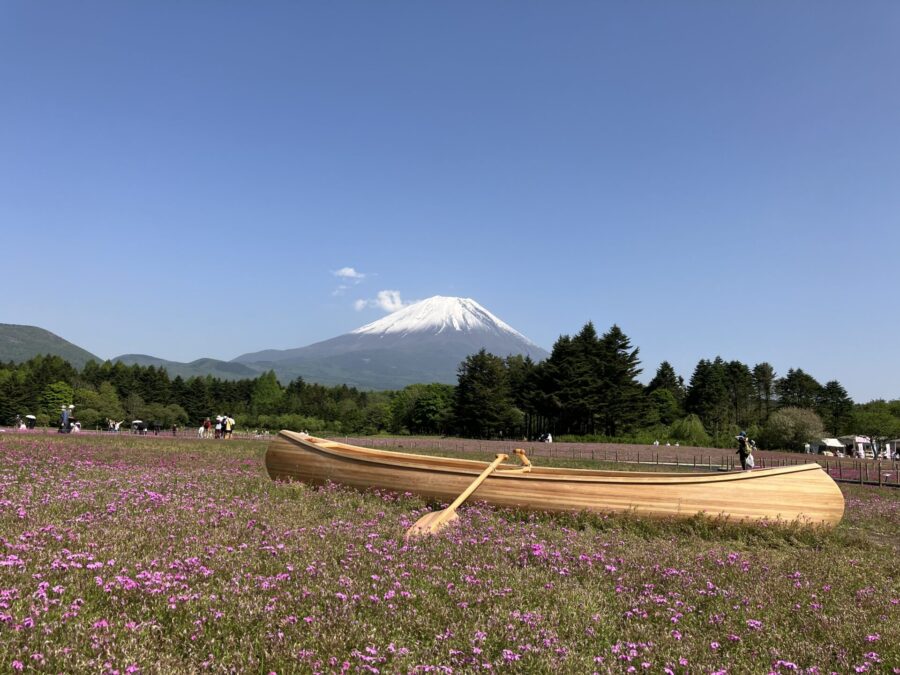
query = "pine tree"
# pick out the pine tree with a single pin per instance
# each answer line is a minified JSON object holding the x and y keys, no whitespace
{"x":666,"y":378}
{"x":622,"y":403}
{"x":797,"y":389}
{"x":707,"y":395}
{"x":739,"y":384}
{"x":482,"y":404}
{"x":764,"y":382}
{"x":834,"y":407}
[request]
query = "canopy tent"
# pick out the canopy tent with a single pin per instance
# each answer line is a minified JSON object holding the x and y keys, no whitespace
{"x":830,"y":445}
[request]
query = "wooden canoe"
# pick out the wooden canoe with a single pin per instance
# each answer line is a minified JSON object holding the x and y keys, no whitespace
{"x":802,"y":493}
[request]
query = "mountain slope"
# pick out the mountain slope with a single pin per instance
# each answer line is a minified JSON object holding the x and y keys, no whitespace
{"x":224,"y":370}
{"x":424,"y":342}
{"x":20,"y":343}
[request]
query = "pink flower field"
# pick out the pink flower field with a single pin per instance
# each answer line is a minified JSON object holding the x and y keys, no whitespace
{"x":157,"y":555}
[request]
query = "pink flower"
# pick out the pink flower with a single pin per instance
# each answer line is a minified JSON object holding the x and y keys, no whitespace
{"x":714,"y":645}
{"x":18,"y":665}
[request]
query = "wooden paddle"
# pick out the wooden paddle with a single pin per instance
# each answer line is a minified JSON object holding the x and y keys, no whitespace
{"x":437,"y":520}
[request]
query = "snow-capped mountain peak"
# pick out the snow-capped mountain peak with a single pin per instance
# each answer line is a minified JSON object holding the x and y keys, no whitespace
{"x":440,"y":314}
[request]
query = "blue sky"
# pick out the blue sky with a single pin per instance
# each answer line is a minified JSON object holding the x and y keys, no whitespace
{"x":188,"y":179}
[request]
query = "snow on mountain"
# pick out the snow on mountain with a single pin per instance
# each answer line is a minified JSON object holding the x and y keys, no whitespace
{"x":424,"y":342}
{"x":438,"y":314}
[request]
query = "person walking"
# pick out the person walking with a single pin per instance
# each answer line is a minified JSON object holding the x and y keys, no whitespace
{"x":743,"y":450}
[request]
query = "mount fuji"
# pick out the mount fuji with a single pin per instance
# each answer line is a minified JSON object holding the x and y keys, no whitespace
{"x":424,"y":342}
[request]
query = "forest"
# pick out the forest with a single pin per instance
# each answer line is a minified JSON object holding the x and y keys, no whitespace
{"x":588,"y":389}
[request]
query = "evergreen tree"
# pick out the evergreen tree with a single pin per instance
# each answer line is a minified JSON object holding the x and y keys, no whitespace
{"x":741,"y":394}
{"x":55,"y":397}
{"x":834,"y":407}
{"x":666,"y":378}
{"x":666,"y":394}
{"x":797,"y":389}
{"x":663,"y":407}
{"x":267,"y":393}
{"x":707,"y":395}
{"x":482,"y":404}
{"x":197,"y":402}
{"x":621,"y":403}
{"x":550,"y":379}
{"x":520,"y":371}
{"x":764,"y":382}
{"x":432,"y":410}
{"x":580,"y":389}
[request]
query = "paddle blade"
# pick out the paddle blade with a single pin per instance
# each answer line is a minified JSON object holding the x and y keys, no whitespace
{"x":426,"y":524}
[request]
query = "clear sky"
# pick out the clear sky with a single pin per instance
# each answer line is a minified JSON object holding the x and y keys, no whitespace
{"x":190,"y":179}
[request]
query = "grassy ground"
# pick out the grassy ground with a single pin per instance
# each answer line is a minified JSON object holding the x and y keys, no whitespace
{"x":156,"y":555}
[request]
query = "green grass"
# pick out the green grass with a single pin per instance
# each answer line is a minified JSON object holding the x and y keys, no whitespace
{"x":182,"y":556}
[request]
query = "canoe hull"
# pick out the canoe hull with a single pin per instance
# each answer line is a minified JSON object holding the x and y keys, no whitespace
{"x":801,"y":493}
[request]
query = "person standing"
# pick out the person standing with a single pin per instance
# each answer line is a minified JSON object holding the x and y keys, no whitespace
{"x":743,"y":448}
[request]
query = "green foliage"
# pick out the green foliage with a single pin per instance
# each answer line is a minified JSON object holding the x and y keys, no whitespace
{"x":764,"y":383}
{"x":292,"y":422}
{"x":109,"y":405}
{"x":90,"y":418}
{"x":588,"y":385}
{"x":877,"y":419}
{"x":422,"y":409}
{"x":267,"y":393}
{"x":663,"y":407}
{"x":790,"y":428}
{"x":797,"y":390}
{"x":56,"y":396}
{"x":587,"y":388}
{"x":689,"y":430}
{"x":666,"y":380}
{"x":834,"y":407}
{"x":482,"y":406}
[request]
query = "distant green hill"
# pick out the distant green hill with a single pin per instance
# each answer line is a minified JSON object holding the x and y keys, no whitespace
{"x":223,"y":370}
{"x":20,"y":343}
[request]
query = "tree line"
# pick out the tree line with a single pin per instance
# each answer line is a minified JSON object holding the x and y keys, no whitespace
{"x":587,"y":388}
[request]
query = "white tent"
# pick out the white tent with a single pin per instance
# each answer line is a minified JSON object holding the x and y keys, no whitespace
{"x":821,"y":445}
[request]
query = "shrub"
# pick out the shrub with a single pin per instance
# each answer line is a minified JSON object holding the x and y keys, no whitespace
{"x":690,"y":430}
{"x":790,"y":428}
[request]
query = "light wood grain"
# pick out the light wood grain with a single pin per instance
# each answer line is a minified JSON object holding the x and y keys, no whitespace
{"x":433,"y":522}
{"x":797,"y":493}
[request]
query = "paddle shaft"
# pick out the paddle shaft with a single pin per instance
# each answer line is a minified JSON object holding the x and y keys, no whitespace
{"x":446,"y":513}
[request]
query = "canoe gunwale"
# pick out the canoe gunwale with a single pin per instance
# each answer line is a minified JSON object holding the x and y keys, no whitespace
{"x":343,"y":452}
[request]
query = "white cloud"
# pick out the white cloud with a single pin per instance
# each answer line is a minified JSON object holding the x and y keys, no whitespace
{"x":389,"y":301}
{"x":349,"y":273}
